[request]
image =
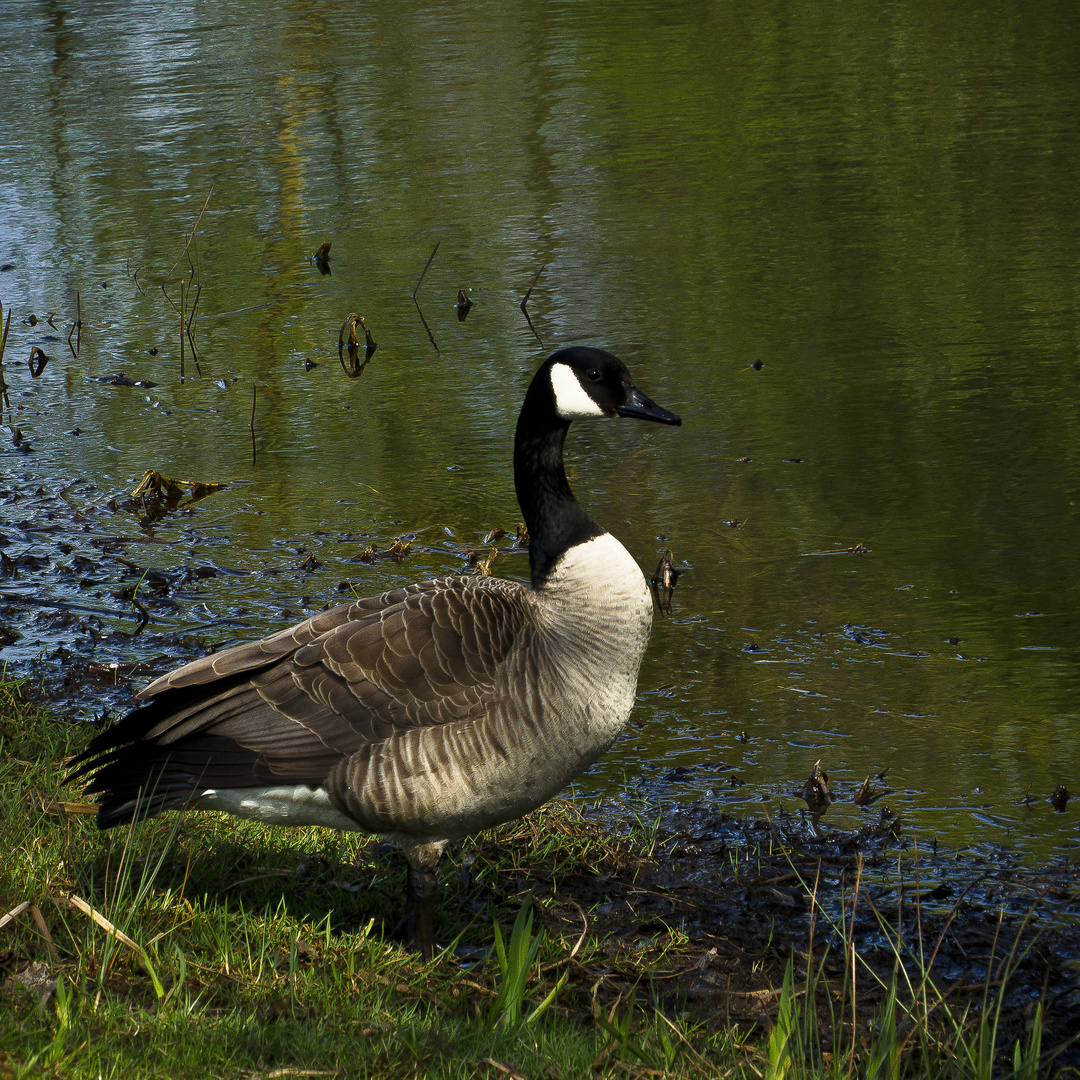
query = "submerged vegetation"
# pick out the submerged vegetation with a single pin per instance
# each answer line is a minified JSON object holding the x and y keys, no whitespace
{"x":583,"y":941}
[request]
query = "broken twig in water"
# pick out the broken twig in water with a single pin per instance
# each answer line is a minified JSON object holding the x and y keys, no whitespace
{"x":431,"y":336}
{"x":858,"y":549}
{"x":76,"y":327}
{"x":322,"y":258}
{"x":352,"y":321}
{"x":190,"y":335}
{"x":3,"y":345}
{"x":253,"y":396}
{"x":191,"y":235}
{"x":524,"y":305}
{"x":528,"y":292}
{"x":183,"y":300}
{"x":463,"y":305}
{"x":427,"y":265}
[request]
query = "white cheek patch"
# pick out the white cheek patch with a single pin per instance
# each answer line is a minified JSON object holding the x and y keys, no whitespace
{"x":571,"y":400}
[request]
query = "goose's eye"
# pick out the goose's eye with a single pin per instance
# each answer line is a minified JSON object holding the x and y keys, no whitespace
{"x":592,"y":375}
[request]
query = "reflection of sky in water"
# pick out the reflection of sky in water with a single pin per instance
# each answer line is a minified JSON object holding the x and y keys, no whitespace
{"x":699,"y":195}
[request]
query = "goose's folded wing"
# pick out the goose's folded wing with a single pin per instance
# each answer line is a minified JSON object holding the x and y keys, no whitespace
{"x":287,"y":709}
{"x":257,"y":654}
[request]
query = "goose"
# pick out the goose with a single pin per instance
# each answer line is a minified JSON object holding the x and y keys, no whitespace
{"x":427,"y":713}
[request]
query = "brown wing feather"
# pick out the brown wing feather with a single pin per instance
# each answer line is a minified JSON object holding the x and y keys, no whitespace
{"x":295,"y":704}
{"x":257,"y":654}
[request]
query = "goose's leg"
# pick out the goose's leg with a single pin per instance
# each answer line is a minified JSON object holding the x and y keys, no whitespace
{"x":418,"y":923}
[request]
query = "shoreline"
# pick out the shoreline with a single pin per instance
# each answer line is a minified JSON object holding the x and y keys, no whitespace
{"x":701,"y":921}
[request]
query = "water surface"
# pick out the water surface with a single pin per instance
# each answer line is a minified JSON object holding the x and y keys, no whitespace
{"x":878,"y":202}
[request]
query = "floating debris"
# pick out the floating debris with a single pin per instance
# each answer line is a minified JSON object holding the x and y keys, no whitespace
{"x":322,"y":258}
{"x":1060,"y":799}
{"x":480,"y":559}
{"x":347,"y":339}
{"x":525,"y":302}
{"x":867,"y":795}
{"x":157,"y":494}
{"x":463,"y":305}
{"x":816,"y":792}
{"x":368,"y":554}
{"x":398,"y":551}
{"x":858,"y":549}
{"x":427,"y":266}
{"x":493,"y":536}
{"x":522,"y":538}
{"x":42,"y":360}
{"x":663,"y":581}
{"x":122,"y":380}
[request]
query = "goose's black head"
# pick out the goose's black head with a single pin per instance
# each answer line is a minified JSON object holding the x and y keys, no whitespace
{"x":581,"y":383}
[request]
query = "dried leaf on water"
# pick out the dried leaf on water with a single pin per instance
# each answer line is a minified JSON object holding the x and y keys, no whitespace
{"x":481,"y":559}
{"x":663,"y":581}
{"x":41,"y":359}
{"x":816,"y":791}
{"x":867,"y":795}
{"x":156,"y":486}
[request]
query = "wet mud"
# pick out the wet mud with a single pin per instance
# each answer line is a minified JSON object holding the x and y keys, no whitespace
{"x":736,"y":901}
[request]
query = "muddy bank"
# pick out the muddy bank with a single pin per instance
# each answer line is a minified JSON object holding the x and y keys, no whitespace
{"x":724,"y":905}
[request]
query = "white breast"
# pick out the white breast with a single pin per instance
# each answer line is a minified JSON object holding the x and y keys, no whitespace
{"x":598,"y":603}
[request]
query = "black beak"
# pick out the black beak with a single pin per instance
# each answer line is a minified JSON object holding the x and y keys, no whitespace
{"x":639,"y":406}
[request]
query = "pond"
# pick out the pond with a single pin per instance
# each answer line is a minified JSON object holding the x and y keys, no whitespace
{"x":874,"y":526}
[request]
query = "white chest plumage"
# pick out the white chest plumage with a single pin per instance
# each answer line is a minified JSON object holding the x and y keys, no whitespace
{"x":597,"y":604}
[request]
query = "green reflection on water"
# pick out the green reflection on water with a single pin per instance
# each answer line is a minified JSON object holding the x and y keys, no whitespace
{"x":877,"y":200}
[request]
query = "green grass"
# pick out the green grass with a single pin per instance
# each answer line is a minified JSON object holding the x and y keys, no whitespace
{"x":258,"y":951}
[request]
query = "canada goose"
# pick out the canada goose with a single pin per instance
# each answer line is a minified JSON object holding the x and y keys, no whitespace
{"x":429,"y":712}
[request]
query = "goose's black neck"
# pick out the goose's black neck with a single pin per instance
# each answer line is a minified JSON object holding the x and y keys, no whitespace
{"x":553,"y":516}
